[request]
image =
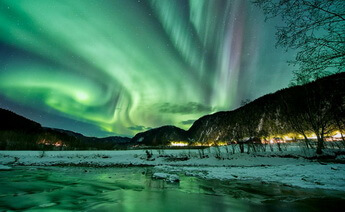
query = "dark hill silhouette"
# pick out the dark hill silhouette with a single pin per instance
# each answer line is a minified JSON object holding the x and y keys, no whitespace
{"x":20,"y":133}
{"x":160,"y":136}
{"x":12,"y":121}
{"x":311,"y":108}
{"x":317,"y":107}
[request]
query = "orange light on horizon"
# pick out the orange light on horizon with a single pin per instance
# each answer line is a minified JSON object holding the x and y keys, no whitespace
{"x":178,"y":144}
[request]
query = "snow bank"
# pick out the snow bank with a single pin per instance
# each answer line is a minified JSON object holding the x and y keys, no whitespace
{"x":288,"y":167}
{"x":313,"y":175}
{"x":139,"y":157}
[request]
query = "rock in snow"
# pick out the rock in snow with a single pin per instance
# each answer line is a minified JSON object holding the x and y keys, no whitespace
{"x":2,"y":167}
{"x":172,"y":178}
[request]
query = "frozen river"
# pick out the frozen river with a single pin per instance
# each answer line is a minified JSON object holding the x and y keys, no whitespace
{"x":133,"y":189}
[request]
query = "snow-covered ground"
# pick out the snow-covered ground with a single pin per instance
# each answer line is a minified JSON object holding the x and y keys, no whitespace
{"x":288,"y":167}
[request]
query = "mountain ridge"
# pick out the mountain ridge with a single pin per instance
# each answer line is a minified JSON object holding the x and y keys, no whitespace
{"x":20,"y":133}
{"x":271,"y":114}
{"x":265,"y":116}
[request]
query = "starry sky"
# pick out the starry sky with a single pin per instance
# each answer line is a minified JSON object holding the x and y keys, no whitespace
{"x":118,"y":67}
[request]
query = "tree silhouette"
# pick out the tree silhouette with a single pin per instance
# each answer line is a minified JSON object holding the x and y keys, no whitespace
{"x":316,"y":29}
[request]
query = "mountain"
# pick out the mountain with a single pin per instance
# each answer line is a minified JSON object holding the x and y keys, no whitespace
{"x":160,"y":136}
{"x":116,"y":139}
{"x":12,"y":121}
{"x":110,"y":139}
{"x":316,"y":107}
{"x":20,"y":133}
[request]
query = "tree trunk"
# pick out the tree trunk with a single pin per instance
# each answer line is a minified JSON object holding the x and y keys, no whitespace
{"x":241,"y":147}
{"x":306,"y":141}
{"x":319,"y":144}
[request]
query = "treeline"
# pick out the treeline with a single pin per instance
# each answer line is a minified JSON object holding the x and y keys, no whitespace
{"x":315,"y":108}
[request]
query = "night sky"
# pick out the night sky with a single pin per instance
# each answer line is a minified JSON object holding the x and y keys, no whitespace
{"x":118,"y":67}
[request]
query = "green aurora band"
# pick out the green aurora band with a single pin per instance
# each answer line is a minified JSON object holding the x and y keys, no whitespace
{"x":117,"y":67}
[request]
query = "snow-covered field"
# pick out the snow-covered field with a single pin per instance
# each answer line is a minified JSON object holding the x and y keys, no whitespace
{"x":288,"y":167}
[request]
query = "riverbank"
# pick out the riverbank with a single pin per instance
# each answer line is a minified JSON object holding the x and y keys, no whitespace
{"x":292,"y":167}
{"x":52,"y":188}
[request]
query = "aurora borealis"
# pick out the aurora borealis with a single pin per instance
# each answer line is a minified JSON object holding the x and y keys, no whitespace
{"x":118,"y":67}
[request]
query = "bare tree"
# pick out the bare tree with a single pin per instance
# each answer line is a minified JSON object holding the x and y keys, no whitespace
{"x":238,"y":136}
{"x":313,"y":111}
{"x":294,"y":116}
{"x":319,"y":114}
{"x":338,"y":109}
{"x":316,"y":28}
